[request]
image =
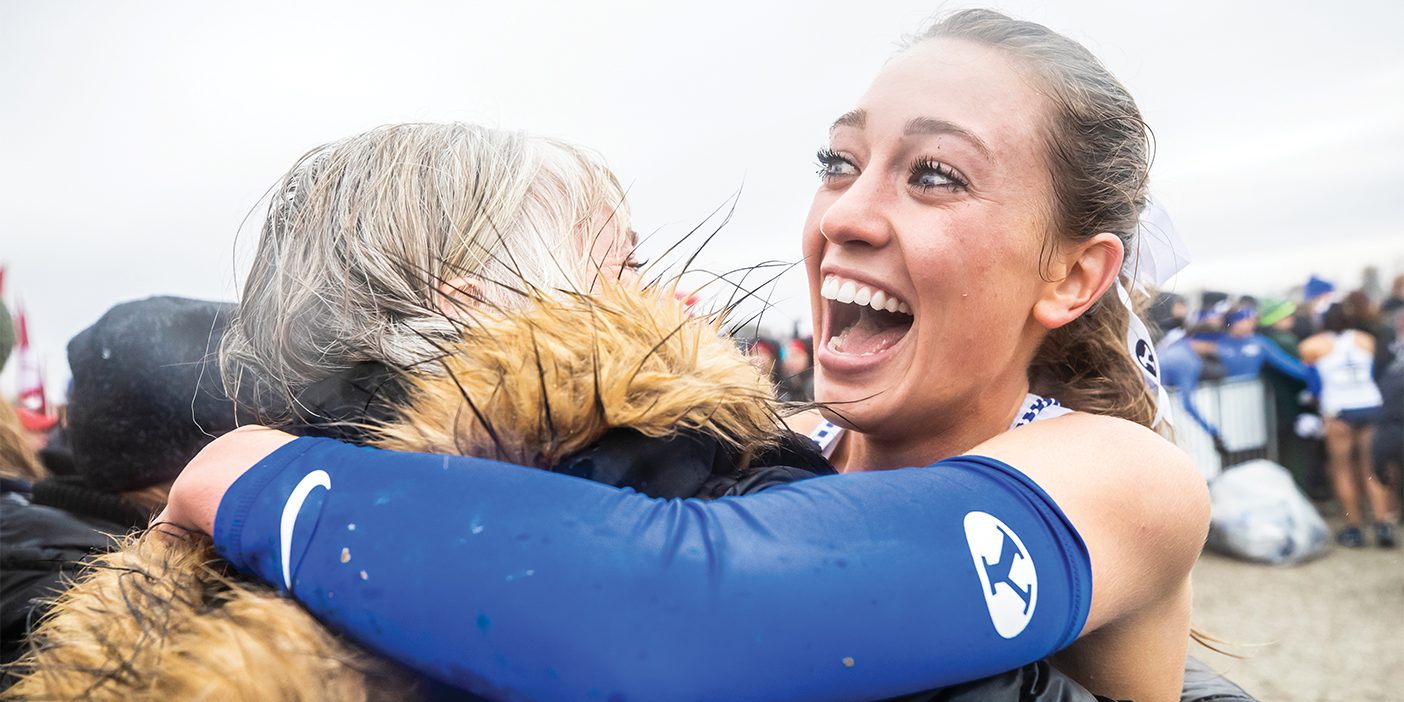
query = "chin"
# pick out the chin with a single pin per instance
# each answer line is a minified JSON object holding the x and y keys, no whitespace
{"x":849,"y":405}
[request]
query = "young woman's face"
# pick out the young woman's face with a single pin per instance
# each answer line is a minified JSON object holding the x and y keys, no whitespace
{"x":936,"y":193}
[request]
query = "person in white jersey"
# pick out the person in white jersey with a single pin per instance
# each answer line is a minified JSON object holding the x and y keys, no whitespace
{"x":1350,"y":402}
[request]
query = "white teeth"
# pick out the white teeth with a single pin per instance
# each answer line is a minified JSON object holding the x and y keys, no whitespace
{"x":850,"y":292}
{"x":879,"y":301}
{"x":846,"y":292}
{"x":834,"y":344}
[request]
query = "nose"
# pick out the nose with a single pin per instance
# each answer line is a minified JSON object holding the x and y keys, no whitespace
{"x":859,"y":215}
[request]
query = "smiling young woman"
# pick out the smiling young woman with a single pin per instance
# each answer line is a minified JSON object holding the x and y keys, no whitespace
{"x":983,"y":194}
{"x":955,"y":189}
{"x":972,"y":220}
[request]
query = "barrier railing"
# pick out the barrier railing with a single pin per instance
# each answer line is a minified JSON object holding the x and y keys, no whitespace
{"x":1243,"y":412}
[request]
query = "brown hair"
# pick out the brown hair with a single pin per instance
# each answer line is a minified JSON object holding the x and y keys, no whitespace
{"x":1360,"y":311}
{"x":17,"y":458}
{"x":1335,"y":319}
{"x":1099,"y":152}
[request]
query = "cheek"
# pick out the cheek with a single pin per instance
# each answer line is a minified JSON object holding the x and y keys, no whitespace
{"x":958,"y":267}
{"x":977,"y":337}
{"x":995,"y":259}
{"x":979,"y":287}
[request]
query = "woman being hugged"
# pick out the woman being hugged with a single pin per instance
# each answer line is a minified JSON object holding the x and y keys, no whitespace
{"x":964,"y":253}
{"x":375,"y":246}
{"x":376,"y":252}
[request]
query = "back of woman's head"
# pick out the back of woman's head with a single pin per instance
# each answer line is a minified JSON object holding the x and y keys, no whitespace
{"x":1360,"y":310}
{"x":363,"y":237}
{"x":1099,"y":155}
{"x":1337,"y":318}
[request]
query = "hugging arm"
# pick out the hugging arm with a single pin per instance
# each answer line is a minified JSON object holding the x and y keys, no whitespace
{"x":1185,"y":379}
{"x":1192,"y":408}
{"x":513,"y":582}
{"x":1286,"y":362}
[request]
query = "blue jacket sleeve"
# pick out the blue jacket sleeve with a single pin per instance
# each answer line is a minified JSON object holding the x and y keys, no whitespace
{"x":1183,"y":375}
{"x":1283,"y":361}
{"x":1192,"y":407}
{"x":517,"y":583}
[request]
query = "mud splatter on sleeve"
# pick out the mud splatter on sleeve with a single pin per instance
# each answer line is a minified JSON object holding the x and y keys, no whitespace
{"x":516,"y":583}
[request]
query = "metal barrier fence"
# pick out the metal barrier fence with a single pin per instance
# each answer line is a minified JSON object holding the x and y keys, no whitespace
{"x":1243,"y":412}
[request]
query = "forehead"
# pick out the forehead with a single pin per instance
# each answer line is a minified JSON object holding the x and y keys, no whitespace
{"x":980,"y":88}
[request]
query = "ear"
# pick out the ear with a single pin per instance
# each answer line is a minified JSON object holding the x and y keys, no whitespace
{"x":1088,"y":269}
{"x":458,"y":295}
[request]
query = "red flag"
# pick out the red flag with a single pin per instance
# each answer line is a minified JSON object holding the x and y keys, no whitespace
{"x":30,"y":378}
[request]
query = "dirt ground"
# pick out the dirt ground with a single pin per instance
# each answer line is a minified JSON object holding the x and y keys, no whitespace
{"x":1329,"y":630}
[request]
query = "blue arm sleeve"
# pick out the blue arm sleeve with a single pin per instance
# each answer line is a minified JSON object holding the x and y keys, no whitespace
{"x":1313,"y":381}
{"x":1283,"y":361}
{"x":1187,"y":397}
{"x":519,"y":583}
{"x":1185,"y":378}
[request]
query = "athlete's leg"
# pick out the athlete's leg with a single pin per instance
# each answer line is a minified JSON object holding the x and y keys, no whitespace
{"x":1382,"y":505}
{"x":1338,"y":450}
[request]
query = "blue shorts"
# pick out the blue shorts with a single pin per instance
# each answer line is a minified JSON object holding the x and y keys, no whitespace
{"x":1360,"y":417}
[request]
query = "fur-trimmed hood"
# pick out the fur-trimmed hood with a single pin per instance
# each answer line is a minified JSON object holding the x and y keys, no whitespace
{"x":535,"y":385}
{"x":162,"y":619}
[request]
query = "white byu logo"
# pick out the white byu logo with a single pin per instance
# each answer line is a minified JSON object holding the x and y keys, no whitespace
{"x":315,"y":479}
{"x":1006,"y":572}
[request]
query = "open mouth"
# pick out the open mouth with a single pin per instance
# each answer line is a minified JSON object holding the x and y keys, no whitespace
{"x":863,"y":320}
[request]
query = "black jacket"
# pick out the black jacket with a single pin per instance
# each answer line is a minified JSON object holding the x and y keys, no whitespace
{"x":41,"y":548}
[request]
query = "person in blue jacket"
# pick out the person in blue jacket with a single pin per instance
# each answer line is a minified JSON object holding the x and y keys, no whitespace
{"x":1239,"y":349}
{"x":971,"y":224}
{"x":1181,"y":366}
{"x":1243,"y":350}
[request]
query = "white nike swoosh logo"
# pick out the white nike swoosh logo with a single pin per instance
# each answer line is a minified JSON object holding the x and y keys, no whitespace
{"x":315,"y":479}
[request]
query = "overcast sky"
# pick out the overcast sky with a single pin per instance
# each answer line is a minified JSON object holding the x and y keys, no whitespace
{"x":138,"y":135}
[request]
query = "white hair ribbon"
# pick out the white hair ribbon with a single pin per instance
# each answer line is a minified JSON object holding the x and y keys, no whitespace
{"x":1159,"y":253}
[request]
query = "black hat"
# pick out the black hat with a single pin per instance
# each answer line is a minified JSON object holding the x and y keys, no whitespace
{"x":146,"y":391}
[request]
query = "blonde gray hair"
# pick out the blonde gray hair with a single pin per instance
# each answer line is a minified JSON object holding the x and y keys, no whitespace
{"x":362,"y":235}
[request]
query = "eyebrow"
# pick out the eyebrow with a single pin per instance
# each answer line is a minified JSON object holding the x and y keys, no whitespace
{"x":927,"y":125}
{"x":858,"y":118}
{"x":853,"y":118}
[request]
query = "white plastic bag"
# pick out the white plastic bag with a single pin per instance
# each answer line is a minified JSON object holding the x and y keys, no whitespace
{"x":1260,"y":515}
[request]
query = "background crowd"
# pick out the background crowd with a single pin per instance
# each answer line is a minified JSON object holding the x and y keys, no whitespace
{"x":1330,"y":362}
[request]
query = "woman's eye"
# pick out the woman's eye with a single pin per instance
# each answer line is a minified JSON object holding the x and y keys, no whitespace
{"x":832,"y":165}
{"x":931,"y":175}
